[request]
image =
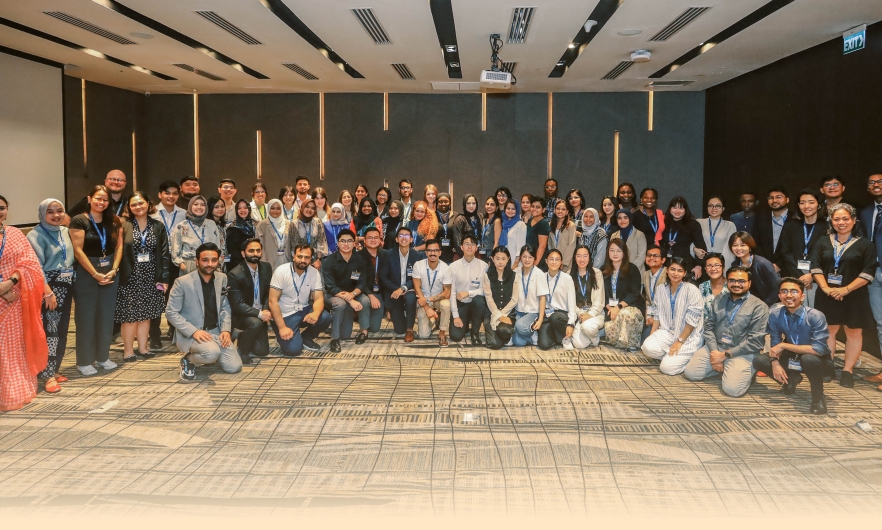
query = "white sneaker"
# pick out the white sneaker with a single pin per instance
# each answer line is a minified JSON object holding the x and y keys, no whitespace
{"x":87,"y":370}
{"x":567,"y":344}
{"x":107,"y":365}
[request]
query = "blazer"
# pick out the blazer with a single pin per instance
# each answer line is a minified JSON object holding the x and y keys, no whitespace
{"x":163,"y":256}
{"x":390,"y":269}
{"x":792,"y":244}
{"x":765,"y":239}
{"x":866,"y":219}
{"x":186,"y":307}
{"x":242,"y":291}
{"x":748,"y":329}
{"x":636,"y":244}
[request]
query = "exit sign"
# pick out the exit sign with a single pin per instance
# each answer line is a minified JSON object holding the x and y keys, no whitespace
{"x":854,"y":39}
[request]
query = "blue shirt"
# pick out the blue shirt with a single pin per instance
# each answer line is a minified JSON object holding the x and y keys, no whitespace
{"x":742,"y":222}
{"x":811,"y":330}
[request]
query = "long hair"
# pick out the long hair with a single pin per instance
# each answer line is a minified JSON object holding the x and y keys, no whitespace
{"x":687,"y":217}
{"x":557,"y":223}
{"x":352,"y":205}
{"x":108,"y":221}
{"x":574,"y":269}
{"x":608,"y":268}
{"x":577,"y":192}
{"x":483,"y":213}
{"x":602,"y":214}
{"x":286,"y":189}
{"x":434,"y":188}
{"x":151,"y":209}
{"x":429,"y":226}
{"x":320,"y":192}
{"x":507,"y":272}
{"x":212,"y":202}
{"x":822,"y":205}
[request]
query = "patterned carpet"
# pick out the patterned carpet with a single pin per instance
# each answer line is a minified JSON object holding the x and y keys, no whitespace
{"x":392,"y":429}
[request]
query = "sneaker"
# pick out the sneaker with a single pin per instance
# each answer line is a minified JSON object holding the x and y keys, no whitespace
{"x":858,"y":363}
{"x":335,"y":346}
{"x":107,"y":365}
{"x":311,"y":345}
{"x":87,"y":370}
{"x":567,"y":344}
{"x":188,"y":369}
{"x":155,"y":343}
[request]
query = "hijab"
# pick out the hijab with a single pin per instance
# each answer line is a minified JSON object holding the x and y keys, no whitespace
{"x":507,"y":223}
{"x":625,"y":232}
{"x":41,"y":213}
{"x":362,"y":220}
{"x":302,"y":217}
{"x":197,"y":220}
{"x":342,"y":220}
{"x":281,"y":222}
{"x":587,"y":230}
{"x":246,"y":225}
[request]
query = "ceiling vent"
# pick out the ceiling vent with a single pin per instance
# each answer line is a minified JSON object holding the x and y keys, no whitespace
{"x":370,"y":24}
{"x":298,"y":70}
{"x":403,"y":71}
{"x":520,"y":24}
{"x":225,"y":25}
{"x":197,"y":71}
{"x":618,"y":70}
{"x":679,"y":23}
{"x":663,"y":84}
{"x":509,"y":67}
{"x":64,"y":17}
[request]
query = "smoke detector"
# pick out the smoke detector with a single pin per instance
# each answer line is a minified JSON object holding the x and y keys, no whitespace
{"x":641,"y":56}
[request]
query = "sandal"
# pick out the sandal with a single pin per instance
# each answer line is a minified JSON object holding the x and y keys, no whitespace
{"x":52,"y":386}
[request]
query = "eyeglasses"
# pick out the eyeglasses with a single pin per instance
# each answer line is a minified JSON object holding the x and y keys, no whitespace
{"x":346,"y":241}
{"x":228,"y":188}
{"x":404,"y":236}
{"x":653,"y":256}
{"x":832,"y":185}
{"x":792,"y":292}
{"x":715,"y":266}
{"x":736,"y":281}
{"x":502,"y":194}
{"x":776,"y":197}
{"x":874,"y":183}
{"x":405,"y":188}
{"x":117,"y":180}
{"x":553,"y":258}
{"x":550,"y":187}
{"x":433,"y":251}
{"x":714,"y":206}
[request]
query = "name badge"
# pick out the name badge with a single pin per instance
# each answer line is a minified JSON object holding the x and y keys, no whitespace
{"x":585,"y":308}
{"x":376,"y":288}
{"x":445,"y":242}
{"x":298,"y":308}
{"x":355,"y":275}
{"x":410,"y":271}
{"x":482,"y":251}
{"x":280,"y":253}
{"x":726,"y":338}
{"x":613,"y":302}
{"x":834,"y":279}
{"x":476,"y":283}
{"x":670,"y":254}
{"x":804,"y":265}
{"x":66,"y":273}
{"x":104,"y":262}
{"x":143,"y":258}
{"x":227,"y":258}
{"x":549,"y":311}
{"x":794,"y":364}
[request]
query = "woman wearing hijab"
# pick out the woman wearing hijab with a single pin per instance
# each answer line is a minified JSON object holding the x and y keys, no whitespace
{"x":594,"y":237}
{"x":336,"y":221}
{"x":392,"y":223}
{"x":634,"y":239}
{"x":273,"y":234}
{"x":307,"y":229}
{"x":365,"y":218}
{"x":241,"y":229}
{"x":54,"y":250}
{"x":195,"y":230}
{"x":513,"y":231}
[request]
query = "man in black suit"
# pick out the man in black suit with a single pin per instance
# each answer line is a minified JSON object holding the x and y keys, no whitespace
{"x":770,"y":224}
{"x":396,"y":282}
{"x":372,"y":254}
{"x":249,"y":299}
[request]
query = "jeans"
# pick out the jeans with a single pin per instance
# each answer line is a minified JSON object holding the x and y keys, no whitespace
{"x":344,"y":316}
{"x":376,"y":315}
{"x":523,"y":333}
{"x":294,"y":345}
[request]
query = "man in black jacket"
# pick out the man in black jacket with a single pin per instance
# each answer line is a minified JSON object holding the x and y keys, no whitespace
{"x":769,"y":225}
{"x":343,"y":276}
{"x":249,"y":284}
{"x":372,"y":254}
{"x":396,"y":284}
{"x":447,"y":231}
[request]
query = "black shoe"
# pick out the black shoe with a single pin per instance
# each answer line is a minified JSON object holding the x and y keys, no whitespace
{"x":476,"y":340}
{"x":335,"y":346}
{"x":311,"y":345}
{"x":792,"y":381}
{"x":188,"y":369}
{"x":130,"y":358}
{"x":245,"y":359}
{"x":819,"y":407}
{"x":361,"y":337}
{"x":155,"y":343}
{"x":846,"y":379}
{"x":145,"y":356}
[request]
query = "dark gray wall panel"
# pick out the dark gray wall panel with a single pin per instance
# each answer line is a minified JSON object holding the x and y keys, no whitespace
{"x":75,"y":172}
{"x":165,"y":141}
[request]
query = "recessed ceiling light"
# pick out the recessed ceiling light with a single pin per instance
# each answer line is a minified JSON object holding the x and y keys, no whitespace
{"x":572,"y":45}
{"x":141,"y":35}
{"x":629,"y":32}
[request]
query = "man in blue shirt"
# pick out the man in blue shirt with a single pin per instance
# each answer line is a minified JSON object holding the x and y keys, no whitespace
{"x":798,"y":344}
{"x":746,"y":218}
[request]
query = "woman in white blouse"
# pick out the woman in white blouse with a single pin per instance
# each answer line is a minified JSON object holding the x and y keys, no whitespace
{"x":590,"y":301}
{"x":716,"y":231}
{"x":678,"y":318}
{"x":560,"y":310}
{"x":532,"y":286}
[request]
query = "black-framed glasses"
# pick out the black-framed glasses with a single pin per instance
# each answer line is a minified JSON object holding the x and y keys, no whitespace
{"x":653,"y":256}
{"x":792,"y":292}
{"x":736,"y":281}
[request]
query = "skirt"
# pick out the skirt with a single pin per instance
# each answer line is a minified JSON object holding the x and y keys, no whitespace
{"x":853,"y":311}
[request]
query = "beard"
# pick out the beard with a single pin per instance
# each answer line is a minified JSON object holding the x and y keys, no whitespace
{"x":252,"y":259}
{"x":301,"y":266}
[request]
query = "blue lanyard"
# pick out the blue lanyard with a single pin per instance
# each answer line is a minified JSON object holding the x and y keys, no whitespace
{"x":551,"y":293}
{"x":614,"y":281}
{"x":201,"y":237}
{"x":377,"y":269}
{"x":674,"y":300}
{"x":474,"y":223}
{"x":444,"y":225}
{"x":557,"y":238}
{"x":786,"y":325}
{"x":652,"y":280}
{"x":607,"y":227}
{"x":672,"y":238}
{"x":526,"y":284}
{"x":654,"y":225}
{"x":290,"y":218}
{"x":807,"y":235}
{"x":256,"y":281}
{"x":837,"y":256}
{"x":120,"y":207}
{"x":59,"y":242}
{"x":431,"y":278}
{"x":783,"y":219}
{"x":549,"y":210}
{"x":294,"y":281}
{"x":3,"y":245}
{"x":167,"y":227}
{"x":738,"y":306}
{"x":584,"y":286}
{"x":142,"y":235}
{"x":280,"y":236}
{"x":102,"y":235}
{"x":334,"y":228}
{"x":713,"y":233}
{"x":484,"y":233}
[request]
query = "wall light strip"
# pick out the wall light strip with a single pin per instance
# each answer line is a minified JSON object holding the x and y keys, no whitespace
{"x":196,"y":135}
{"x":651,"y":107}
{"x":483,"y":111}
{"x":134,"y":161}
{"x":385,"y":111}
{"x":259,"y":161}
{"x":321,"y":136}
{"x":550,"y":129}
{"x":616,"y":163}
{"x":85,"y":143}
{"x":450,"y":187}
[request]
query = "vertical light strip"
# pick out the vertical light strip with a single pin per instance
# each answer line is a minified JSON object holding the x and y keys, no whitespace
{"x":134,"y":162}
{"x":651,"y":111}
{"x":386,"y":185}
{"x":385,"y":111}
{"x":321,"y":136}
{"x":259,"y":157}
{"x":85,"y":143}
{"x":550,"y":128}
{"x":450,"y":189}
{"x":196,"y":135}
{"x":483,"y":112}
{"x":616,"y":163}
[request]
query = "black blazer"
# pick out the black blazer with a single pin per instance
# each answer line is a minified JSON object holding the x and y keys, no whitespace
{"x":792,"y":244}
{"x":371,"y":275}
{"x":762,"y":232}
{"x":390,"y":269}
{"x":241,"y":293}
{"x":163,"y":255}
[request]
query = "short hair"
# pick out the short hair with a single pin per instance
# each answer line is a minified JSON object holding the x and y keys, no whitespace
{"x":739,"y":268}
{"x":790,"y":279}
{"x":249,"y":241}
{"x":653,"y":246}
{"x":127,"y":211}
{"x":751,"y":193}
{"x":226,"y":181}
{"x":169,"y":184}
{"x":715,"y":255}
{"x":682,"y":261}
{"x":829,"y":178}
{"x":299,"y":178}
{"x":780,"y":189}
{"x":529,"y":250}
{"x":345,"y":232}
{"x":745,"y":238}
{"x":469,"y":236}
{"x":433,"y":241}
{"x":372,"y":229}
{"x":258,"y":185}
{"x":551,"y":179}
{"x":536,"y":198}
{"x":286,"y":189}
{"x":623,"y":184}
{"x":405,"y":181}
{"x":189,"y":178}
{"x":403,"y":229}
{"x":653,"y":190}
{"x":207,"y":247}
{"x":301,"y":246}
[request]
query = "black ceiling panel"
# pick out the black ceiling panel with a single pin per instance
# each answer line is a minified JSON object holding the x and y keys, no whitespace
{"x":601,"y":14}
{"x":442,"y":14}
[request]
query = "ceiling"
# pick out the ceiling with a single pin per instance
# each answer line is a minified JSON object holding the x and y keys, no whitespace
{"x":411,"y":28}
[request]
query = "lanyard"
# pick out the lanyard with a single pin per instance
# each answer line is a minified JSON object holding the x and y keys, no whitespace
{"x":142,"y":235}
{"x":607,"y":227}
{"x":583,"y":287}
{"x":526,"y":284}
{"x":377,"y":270}
{"x":807,"y":235}
{"x":654,"y":224}
{"x":261,"y":214}
{"x":486,"y":228}
{"x":201,"y":237}
{"x":120,"y":207}
{"x":783,"y":219}
{"x":672,"y":238}
{"x":713,"y":233}
{"x":3,"y":245}
{"x":334,"y":228}
{"x":102,"y":236}
{"x":294,"y":281}
{"x":431,"y":278}
{"x":738,"y":306}
{"x":551,"y":292}
{"x":280,"y":236}
{"x":674,"y":299}
{"x":549,"y":209}
{"x":793,"y":336}
{"x":474,"y":223}
{"x":837,"y":256}
{"x":167,"y":226}
{"x":59,"y":242}
{"x":557,"y":238}
{"x":614,"y":281}
{"x":444,"y":225}
{"x":653,"y":278}
{"x":290,"y":218}
{"x":407,"y":210}
{"x":255,"y":279}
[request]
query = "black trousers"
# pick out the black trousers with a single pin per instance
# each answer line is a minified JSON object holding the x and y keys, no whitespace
{"x":173,"y":273}
{"x":253,"y":338}
{"x":812,"y":366}
{"x":553,"y":330}
{"x":472,"y":315}
{"x":499,"y":338}
{"x":402,"y":311}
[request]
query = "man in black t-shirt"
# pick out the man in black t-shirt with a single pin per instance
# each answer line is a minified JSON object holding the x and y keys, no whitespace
{"x":115,"y":182}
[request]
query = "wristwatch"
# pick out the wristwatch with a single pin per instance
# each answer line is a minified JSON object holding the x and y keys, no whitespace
{"x":14,"y":281}
{"x":728,"y":355}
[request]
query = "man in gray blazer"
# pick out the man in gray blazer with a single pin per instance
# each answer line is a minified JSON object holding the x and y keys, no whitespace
{"x":200,"y":312}
{"x":734,"y":333}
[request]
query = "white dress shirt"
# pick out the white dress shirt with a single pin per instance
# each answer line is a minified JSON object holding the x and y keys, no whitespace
{"x":537,"y":285}
{"x":466,"y":276}
{"x":562,"y":295}
{"x":169,"y":220}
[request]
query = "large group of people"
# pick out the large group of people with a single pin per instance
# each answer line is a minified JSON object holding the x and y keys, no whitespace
{"x":765,"y":291}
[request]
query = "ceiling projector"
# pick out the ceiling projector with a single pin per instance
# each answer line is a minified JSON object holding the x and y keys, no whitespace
{"x":495,"y":79}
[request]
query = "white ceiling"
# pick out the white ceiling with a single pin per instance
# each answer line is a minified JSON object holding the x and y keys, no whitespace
{"x":409,"y":24}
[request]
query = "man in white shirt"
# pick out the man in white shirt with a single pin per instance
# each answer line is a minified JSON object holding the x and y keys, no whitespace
{"x":431,"y":281}
{"x":302,"y":187}
{"x":290,"y":290}
{"x":467,"y":303}
{"x":227,"y":190}
{"x":170,"y":215}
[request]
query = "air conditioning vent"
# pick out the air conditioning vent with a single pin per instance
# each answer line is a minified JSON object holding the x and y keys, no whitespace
{"x":679,"y":23}
{"x":662,"y":84}
{"x":197,"y":71}
{"x":618,"y":70}
{"x":298,"y":70}
{"x":509,"y":67}
{"x":520,"y":24}
{"x":403,"y":71}
{"x":64,"y":17}
{"x":225,"y":25}
{"x":370,"y":24}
